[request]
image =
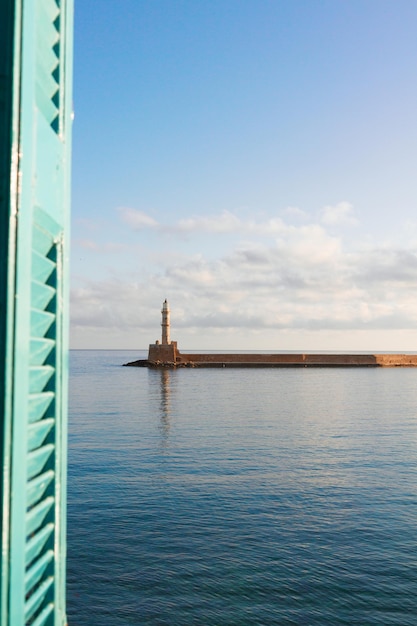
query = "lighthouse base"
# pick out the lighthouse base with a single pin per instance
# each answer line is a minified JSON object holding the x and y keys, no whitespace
{"x":163,"y":354}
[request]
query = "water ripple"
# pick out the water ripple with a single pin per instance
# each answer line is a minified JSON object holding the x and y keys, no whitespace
{"x":233,"y":497}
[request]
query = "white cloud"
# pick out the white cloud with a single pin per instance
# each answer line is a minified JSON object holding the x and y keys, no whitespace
{"x":309,"y":244}
{"x":298,"y":278}
{"x":262,"y":288}
{"x":138,"y":220}
{"x":341,"y":213}
{"x":229,"y":223}
{"x":293,"y":211}
{"x":226,"y":222}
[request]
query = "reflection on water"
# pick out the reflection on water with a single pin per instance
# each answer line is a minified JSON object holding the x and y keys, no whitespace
{"x":161,"y":390}
{"x":165,"y":402}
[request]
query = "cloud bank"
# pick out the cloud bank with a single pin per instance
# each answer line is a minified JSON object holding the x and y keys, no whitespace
{"x":275,"y":276}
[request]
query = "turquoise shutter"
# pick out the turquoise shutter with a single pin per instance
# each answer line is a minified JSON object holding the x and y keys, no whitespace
{"x":33,"y":295}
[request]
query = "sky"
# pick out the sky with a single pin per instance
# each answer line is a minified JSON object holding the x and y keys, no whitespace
{"x":252,"y":161}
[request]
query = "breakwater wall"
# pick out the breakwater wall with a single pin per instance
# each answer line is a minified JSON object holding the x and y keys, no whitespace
{"x":275,"y":360}
{"x":298,"y":360}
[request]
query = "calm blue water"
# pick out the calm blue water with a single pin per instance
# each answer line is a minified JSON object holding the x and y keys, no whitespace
{"x":225,"y":497}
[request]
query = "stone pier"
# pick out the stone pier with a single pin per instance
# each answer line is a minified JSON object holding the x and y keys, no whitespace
{"x":166,"y":354}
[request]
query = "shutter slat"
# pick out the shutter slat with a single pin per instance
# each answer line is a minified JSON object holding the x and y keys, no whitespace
{"x":48,"y":10}
{"x":39,"y":376}
{"x":37,"y":459}
{"x":46,"y":83}
{"x":36,"y":599}
{"x":42,"y":267}
{"x":44,"y":221}
{"x":38,"y":431}
{"x":48,"y":36}
{"x":42,"y":241}
{"x":35,"y":545}
{"x":45,"y":55}
{"x":40,"y":321}
{"x":41,"y":294}
{"x":36,"y":516}
{"x":42,"y":618}
{"x":36,"y":571}
{"x":37,"y":487}
{"x":40,"y":349}
{"x":46,"y":106}
{"x":38,"y":403}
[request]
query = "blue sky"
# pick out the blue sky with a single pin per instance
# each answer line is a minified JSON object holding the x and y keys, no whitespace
{"x":252,"y":161}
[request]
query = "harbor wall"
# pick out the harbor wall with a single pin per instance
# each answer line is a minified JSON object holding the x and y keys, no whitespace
{"x":391,"y":360}
{"x":169,"y":355}
{"x":300,"y":360}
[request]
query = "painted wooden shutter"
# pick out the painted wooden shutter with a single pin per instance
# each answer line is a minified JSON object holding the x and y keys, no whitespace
{"x":33,"y":299}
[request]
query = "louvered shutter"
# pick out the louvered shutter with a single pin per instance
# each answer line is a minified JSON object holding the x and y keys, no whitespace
{"x":33,"y":286}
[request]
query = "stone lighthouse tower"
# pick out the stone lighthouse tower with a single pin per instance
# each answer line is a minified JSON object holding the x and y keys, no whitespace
{"x":164,"y":352}
{"x":165,"y":324}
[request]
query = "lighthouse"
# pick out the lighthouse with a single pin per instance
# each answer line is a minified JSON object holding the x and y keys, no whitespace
{"x":165,"y":324}
{"x":164,"y":352}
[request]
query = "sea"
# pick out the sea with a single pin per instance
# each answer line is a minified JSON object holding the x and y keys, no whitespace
{"x":240,"y":497}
